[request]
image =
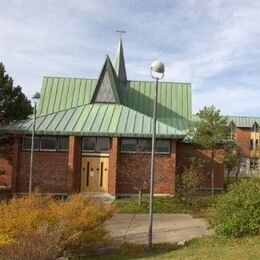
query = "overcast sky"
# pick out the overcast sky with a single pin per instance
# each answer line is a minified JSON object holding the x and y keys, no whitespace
{"x":214,"y":45}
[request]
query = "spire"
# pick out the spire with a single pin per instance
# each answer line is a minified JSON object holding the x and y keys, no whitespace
{"x":120,"y":62}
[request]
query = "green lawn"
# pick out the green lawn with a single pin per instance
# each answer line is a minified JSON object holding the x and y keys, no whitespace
{"x":166,"y":205}
{"x":204,"y":248}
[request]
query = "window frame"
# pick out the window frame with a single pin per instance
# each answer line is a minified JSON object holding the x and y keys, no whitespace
{"x":39,"y":149}
{"x":29,"y":149}
{"x":95,"y":149}
{"x":58,"y":140}
{"x":48,"y":137}
{"x":144,"y":152}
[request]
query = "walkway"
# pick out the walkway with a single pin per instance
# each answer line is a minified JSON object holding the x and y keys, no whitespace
{"x":167,"y":228}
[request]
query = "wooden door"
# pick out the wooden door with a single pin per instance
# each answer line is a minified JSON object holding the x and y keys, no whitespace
{"x":94,"y":174}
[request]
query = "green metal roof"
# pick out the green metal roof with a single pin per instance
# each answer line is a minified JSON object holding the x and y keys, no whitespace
{"x":110,"y":105}
{"x":239,"y":121}
{"x":174,"y":99}
{"x":242,"y":121}
{"x":98,"y":119}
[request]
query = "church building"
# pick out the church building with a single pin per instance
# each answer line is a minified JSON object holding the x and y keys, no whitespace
{"x":94,"y":135}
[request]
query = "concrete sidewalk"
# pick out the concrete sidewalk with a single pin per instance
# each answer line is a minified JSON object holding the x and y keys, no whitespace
{"x":167,"y":228}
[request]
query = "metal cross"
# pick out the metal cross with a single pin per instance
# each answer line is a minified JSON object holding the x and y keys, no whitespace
{"x":121,"y":32}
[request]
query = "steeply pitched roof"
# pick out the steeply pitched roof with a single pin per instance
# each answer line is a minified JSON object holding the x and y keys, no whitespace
{"x":98,"y":120}
{"x":82,"y":106}
{"x":106,"y":90}
{"x":120,"y":62}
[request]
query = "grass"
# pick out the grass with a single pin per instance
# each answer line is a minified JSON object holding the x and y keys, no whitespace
{"x":166,"y":205}
{"x":205,"y":248}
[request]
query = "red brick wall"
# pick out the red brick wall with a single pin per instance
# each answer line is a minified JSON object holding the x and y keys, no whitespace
{"x":74,"y":164}
{"x":243,"y":136}
{"x":140,"y":163}
{"x":49,"y":172}
{"x":113,"y":165}
{"x":188,"y":150}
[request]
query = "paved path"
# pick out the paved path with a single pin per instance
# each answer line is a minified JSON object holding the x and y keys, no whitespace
{"x":167,"y":228}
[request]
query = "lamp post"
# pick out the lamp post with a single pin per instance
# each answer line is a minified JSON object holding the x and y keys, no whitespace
{"x":35,"y":97}
{"x":157,"y":72}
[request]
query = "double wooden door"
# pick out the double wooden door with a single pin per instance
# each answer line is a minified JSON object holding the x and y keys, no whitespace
{"x":94,"y":174}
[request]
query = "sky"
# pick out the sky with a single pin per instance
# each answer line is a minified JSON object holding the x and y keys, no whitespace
{"x":214,"y":45}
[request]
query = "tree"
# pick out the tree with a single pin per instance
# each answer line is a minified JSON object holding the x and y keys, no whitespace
{"x":233,"y":161}
{"x":138,"y":182}
{"x":14,"y":105}
{"x":209,"y":131}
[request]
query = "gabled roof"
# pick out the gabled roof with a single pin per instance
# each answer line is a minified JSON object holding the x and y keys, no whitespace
{"x":98,"y":120}
{"x":242,"y":121}
{"x":238,"y":121}
{"x":106,"y":90}
{"x":120,"y":62}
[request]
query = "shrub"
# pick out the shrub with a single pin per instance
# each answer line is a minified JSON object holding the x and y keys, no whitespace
{"x":191,"y":179}
{"x":237,"y":213}
{"x":76,"y":222}
{"x":34,"y":246}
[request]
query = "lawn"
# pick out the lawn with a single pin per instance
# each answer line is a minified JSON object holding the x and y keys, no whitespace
{"x":166,"y":205}
{"x":205,"y":248}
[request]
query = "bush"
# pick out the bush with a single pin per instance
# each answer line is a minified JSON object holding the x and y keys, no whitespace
{"x":237,"y":213}
{"x":33,"y":246}
{"x":75,"y":222}
{"x":190,"y":179}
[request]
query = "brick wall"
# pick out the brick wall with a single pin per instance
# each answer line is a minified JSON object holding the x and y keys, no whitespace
{"x":113,"y":165}
{"x":243,"y":136}
{"x":188,"y":150}
{"x":49,"y":172}
{"x":74,"y":164}
{"x":140,"y":165}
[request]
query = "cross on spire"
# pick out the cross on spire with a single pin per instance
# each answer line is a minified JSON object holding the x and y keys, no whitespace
{"x":121,"y":33}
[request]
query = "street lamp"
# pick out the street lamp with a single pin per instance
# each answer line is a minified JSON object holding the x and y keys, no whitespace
{"x":157,"y":72}
{"x":35,"y":98}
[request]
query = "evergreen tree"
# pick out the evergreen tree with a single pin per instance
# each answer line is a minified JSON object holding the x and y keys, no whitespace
{"x":210,"y":131}
{"x":14,"y":105}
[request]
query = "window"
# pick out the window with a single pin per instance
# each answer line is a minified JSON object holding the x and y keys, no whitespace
{"x":163,"y":146}
{"x":48,"y":143}
{"x":95,"y":144}
{"x":144,"y":145}
{"x":27,"y":143}
{"x":63,"y":143}
{"x":253,"y":163}
{"x":251,"y":143}
{"x":102,"y":144}
{"x":89,"y":144}
{"x":128,"y":145}
{"x":133,"y":145}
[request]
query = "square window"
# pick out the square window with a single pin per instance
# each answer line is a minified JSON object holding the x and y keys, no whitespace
{"x":163,"y":146}
{"x":27,"y":143}
{"x":102,"y":144}
{"x":48,"y":143}
{"x":144,"y":145}
{"x":89,"y":144}
{"x":128,"y":145}
{"x":63,"y":143}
